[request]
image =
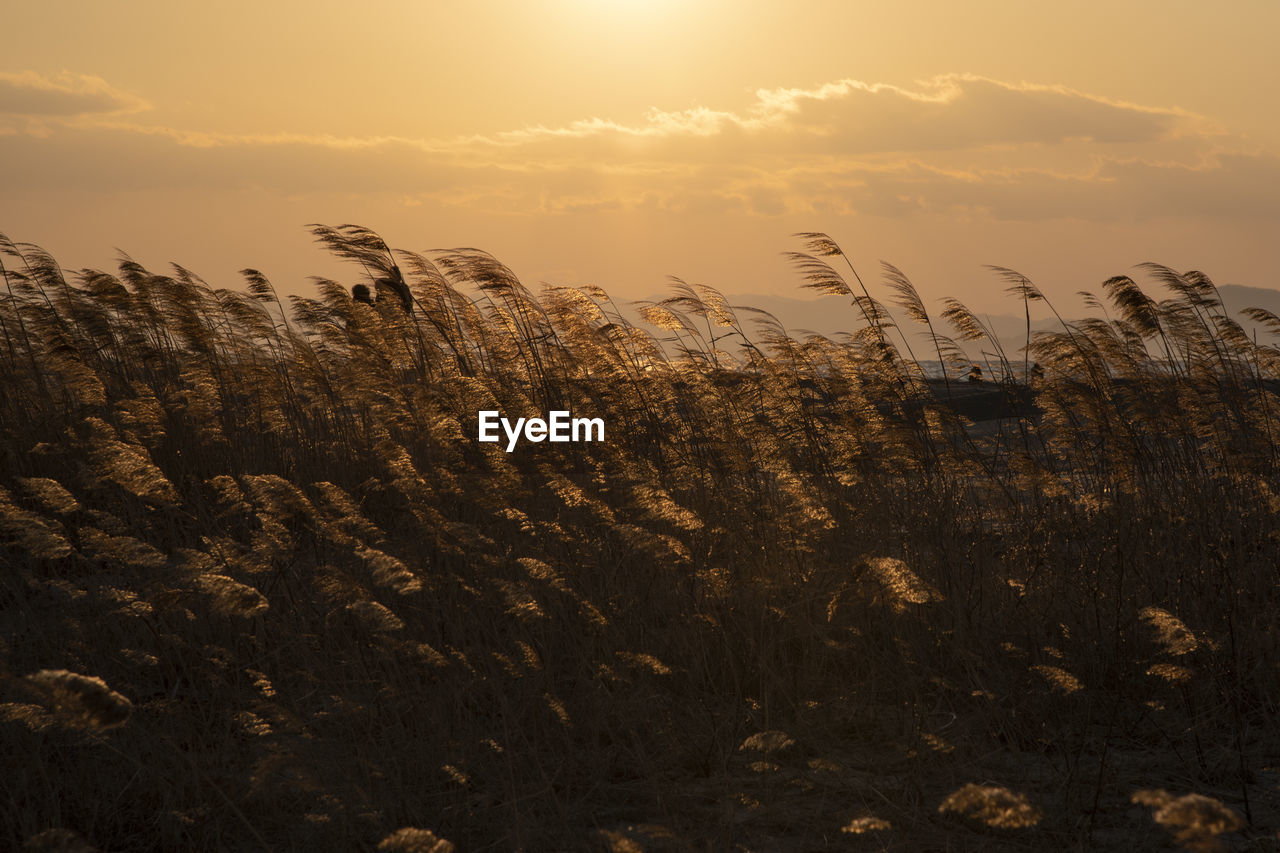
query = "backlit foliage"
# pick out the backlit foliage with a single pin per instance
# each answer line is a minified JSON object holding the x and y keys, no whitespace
{"x":263,"y":589}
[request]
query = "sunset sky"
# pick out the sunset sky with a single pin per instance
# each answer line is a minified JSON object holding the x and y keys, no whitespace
{"x":617,"y":142}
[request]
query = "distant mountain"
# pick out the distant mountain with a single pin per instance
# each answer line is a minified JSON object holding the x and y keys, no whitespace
{"x":830,"y":315}
{"x":833,"y":315}
{"x":1238,"y":296}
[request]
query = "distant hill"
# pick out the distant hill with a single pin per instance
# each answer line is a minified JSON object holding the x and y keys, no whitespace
{"x":833,"y":315}
{"x":1239,"y":296}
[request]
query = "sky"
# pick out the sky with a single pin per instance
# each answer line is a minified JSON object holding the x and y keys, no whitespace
{"x":620,"y":142}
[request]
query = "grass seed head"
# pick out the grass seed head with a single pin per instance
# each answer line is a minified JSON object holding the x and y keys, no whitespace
{"x":80,"y":701}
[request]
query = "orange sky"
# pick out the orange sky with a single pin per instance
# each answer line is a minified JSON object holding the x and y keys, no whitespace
{"x":618,"y":142}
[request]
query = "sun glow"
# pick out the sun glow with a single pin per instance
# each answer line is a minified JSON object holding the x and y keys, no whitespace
{"x":629,"y":11}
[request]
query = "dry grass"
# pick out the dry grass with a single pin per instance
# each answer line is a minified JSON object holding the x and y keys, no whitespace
{"x":264,"y":590}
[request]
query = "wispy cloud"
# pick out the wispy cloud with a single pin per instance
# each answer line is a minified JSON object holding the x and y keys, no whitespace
{"x":954,"y":111}
{"x":30,"y":95}
{"x":955,"y":144}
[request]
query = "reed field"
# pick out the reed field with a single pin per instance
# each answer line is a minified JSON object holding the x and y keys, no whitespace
{"x":263,"y":589}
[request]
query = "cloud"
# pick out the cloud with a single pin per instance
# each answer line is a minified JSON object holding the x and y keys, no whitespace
{"x":28,"y":94}
{"x":1232,"y":186}
{"x":853,"y":118}
{"x":956,"y":145}
{"x":1225,"y":187}
{"x":114,"y":159}
{"x":964,"y":111}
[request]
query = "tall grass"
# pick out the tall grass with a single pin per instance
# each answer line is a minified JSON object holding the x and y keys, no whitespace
{"x":266,"y":590}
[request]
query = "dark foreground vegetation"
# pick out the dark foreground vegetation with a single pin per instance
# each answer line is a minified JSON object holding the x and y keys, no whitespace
{"x":262,"y":589}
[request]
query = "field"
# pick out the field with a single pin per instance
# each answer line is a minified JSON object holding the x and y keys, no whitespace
{"x":264,"y":590}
